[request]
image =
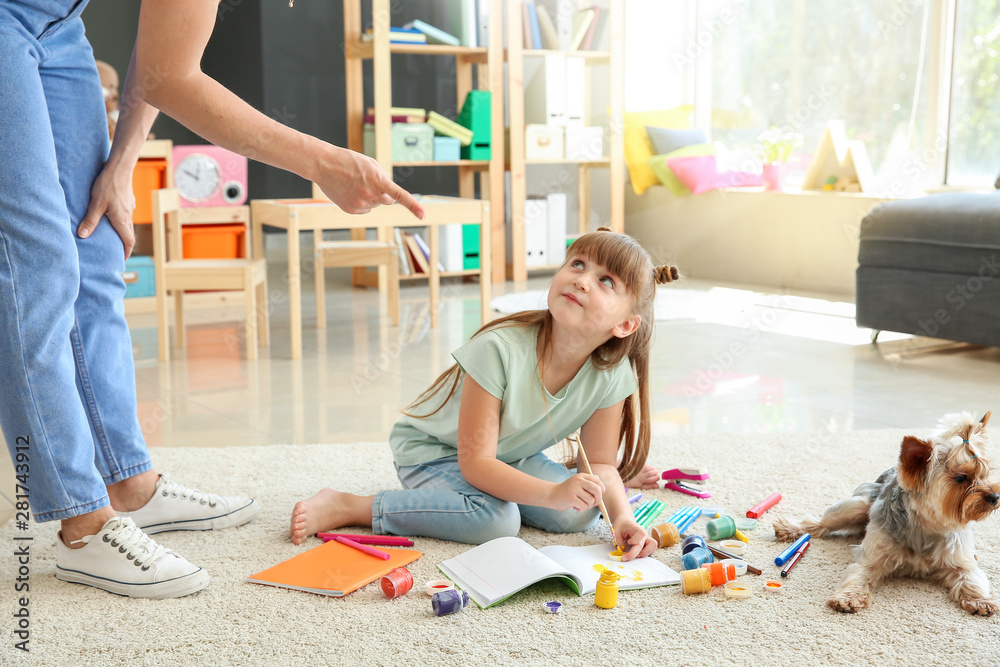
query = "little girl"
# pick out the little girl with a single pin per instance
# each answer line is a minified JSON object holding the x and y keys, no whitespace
{"x":469,"y":449}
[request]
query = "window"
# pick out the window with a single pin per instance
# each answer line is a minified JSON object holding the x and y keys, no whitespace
{"x":974,"y":123}
{"x":796,"y":64}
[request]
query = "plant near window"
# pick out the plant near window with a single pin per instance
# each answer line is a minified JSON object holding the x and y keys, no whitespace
{"x":776,"y":145}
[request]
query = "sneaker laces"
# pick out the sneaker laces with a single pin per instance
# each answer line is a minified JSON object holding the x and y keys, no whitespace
{"x":129,"y":539}
{"x":170,"y":488}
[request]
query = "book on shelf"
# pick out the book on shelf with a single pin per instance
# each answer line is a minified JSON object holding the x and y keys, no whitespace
{"x":581,"y":24}
{"x":483,"y":22}
{"x":449,"y":128}
{"x":499,"y":568}
{"x":370,"y":118}
{"x":420,"y":264}
{"x":550,"y":39}
{"x":463,"y":20}
{"x":404,"y":263}
{"x":425,"y":249}
{"x":536,"y":36}
{"x":588,"y":39}
{"x":434,"y":35}
{"x":565,"y":10}
{"x":398,"y":36}
{"x":401,"y":111}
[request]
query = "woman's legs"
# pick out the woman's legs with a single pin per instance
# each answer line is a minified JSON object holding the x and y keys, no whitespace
{"x":40,"y":282}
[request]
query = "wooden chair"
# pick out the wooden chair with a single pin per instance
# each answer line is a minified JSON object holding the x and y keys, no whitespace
{"x":356,"y":253}
{"x":176,"y":274}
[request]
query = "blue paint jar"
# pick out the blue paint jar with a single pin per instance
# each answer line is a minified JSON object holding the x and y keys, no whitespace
{"x":695,"y":558}
{"x":692,"y":541}
{"x":448,"y":602}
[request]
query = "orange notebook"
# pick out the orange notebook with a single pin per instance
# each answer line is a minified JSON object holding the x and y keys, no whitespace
{"x":333,"y":569}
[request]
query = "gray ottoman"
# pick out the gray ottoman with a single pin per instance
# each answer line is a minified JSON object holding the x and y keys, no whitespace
{"x":931,"y":267}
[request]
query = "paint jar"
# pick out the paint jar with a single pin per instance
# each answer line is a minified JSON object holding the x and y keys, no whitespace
{"x":606,"y":595}
{"x":397,"y":583}
{"x":695,"y":581}
{"x":448,"y":602}
{"x":720,"y":572}
{"x":437,"y":585}
{"x":721,"y":529}
{"x":734,"y":547}
{"x":666,"y":534}
{"x":691,"y":542}
{"x":740,"y":565}
{"x":696,"y":558}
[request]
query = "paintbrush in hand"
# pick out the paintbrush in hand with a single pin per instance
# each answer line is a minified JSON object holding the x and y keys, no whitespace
{"x":604,"y":510}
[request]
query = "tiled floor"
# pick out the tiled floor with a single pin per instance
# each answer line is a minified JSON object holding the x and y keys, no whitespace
{"x":729,"y":360}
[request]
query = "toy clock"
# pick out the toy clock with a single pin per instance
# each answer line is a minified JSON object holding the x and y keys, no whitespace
{"x":209,"y":176}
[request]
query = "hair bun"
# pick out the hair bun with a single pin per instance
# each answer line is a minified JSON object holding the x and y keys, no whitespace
{"x":667,"y":273}
{"x":605,"y":229}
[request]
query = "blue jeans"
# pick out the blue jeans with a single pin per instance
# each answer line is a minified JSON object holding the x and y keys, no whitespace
{"x":438,"y":502}
{"x":65,"y":350}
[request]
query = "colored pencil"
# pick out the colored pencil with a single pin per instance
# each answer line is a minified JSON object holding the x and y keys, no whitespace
{"x":381,"y":540}
{"x":371,"y":551}
{"x":652,"y":514}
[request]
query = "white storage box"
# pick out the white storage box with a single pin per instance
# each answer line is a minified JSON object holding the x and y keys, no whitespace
{"x":584,"y":143}
{"x":543,"y":142}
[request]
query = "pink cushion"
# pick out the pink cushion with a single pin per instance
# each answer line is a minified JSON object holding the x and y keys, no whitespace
{"x":700,"y":174}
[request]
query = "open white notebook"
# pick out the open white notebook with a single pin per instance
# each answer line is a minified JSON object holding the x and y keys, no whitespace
{"x":499,"y":568}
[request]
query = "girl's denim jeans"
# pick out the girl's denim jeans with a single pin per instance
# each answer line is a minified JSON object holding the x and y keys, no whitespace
{"x":438,"y":502}
{"x":65,"y":352}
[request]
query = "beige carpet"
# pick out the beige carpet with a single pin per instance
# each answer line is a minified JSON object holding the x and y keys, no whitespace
{"x":233,"y":622}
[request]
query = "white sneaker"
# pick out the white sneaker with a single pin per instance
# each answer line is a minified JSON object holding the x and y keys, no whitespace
{"x":122,"y":559}
{"x":176,"y":507}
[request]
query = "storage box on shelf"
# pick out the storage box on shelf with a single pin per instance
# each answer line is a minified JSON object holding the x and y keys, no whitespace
{"x":482,"y":110}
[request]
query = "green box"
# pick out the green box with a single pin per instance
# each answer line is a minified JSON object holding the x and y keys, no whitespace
{"x":470,"y":247}
{"x":411,"y":142}
{"x":475,"y":115}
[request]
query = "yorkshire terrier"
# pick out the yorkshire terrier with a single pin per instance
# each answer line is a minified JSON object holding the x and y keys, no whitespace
{"x":915,"y":518}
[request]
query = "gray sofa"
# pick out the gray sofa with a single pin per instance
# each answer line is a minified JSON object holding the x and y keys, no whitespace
{"x":931,"y":267}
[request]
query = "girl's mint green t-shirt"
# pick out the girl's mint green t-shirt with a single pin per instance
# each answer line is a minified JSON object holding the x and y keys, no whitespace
{"x":503,"y":361}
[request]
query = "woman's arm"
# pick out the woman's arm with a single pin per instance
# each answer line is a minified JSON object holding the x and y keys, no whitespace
{"x":478,"y":433}
{"x":600,"y":436}
{"x":170,"y":44}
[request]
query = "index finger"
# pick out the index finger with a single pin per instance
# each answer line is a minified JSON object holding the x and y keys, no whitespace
{"x":406,"y":199}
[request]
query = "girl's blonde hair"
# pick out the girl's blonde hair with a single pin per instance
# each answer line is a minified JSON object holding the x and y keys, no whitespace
{"x":623,"y":256}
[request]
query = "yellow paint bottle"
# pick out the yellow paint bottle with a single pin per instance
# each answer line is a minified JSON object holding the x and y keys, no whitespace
{"x":606,"y":595}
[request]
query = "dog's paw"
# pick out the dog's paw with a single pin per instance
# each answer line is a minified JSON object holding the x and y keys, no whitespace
{"x":981,"y":607}
{"x":849,"y":602}
{"x":786,"y":530}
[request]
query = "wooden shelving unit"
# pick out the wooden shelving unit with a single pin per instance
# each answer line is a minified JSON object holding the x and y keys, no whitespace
{"x":487,"y":65}
{"x":614,"y":58}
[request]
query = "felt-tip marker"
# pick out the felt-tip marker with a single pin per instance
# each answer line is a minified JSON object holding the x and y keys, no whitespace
{"x":794,"y":559}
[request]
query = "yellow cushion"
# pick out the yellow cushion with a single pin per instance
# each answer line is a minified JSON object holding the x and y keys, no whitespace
{"x":638,"y":148}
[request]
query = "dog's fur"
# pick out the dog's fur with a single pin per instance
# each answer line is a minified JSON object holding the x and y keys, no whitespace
{"x":915,"y":518}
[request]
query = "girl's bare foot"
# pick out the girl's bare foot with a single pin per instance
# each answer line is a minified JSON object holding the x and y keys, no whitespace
{"x":328,"y":510}
{"x":647,"y":478}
